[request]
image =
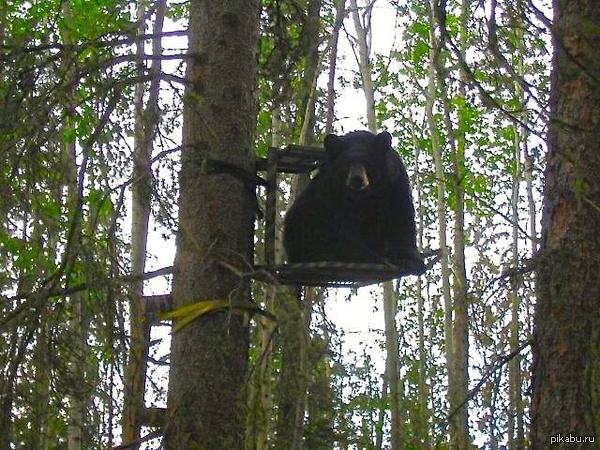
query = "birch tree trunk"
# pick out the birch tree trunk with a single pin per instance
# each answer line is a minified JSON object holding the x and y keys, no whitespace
{"x":77,"y":393}
{"x":457,"y":318}
{"x":206,"y":400}
{"x":431,"y":96}
{"x":333,"y":49}
{"x":459,"y":425}
{"x":514,"y":365}
{"x":362,"y":39}
{"x":260,"y":398}
{"x":294,"y":313}
{"x":422,"y":410}
{"x":141,"y":196}
{"x":390,"y":306}
{"x":516,"y":436}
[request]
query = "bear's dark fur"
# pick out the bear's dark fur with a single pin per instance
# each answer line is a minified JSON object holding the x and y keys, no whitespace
{"x":357,"y":209}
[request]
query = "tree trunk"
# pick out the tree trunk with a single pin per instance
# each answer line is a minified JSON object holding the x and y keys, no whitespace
{"x":566,"y":366}
{"x":216,"y":214}
{"x":392,"y":364}
{"x":146,"y":120}
{"x":431,"y":96}
{"x":340,"y":10}
{"x":294,"y":315}
{"x":516,"y":433}
{"x":364,"y":61}
{"x":260,"y":395}
{"x":514,"y":428}
{"x":291,"y":391}
{"x":422,"y":414}
{"x":77,"y":392}
{"x":459,"y":388}
{"x":390,"y":305}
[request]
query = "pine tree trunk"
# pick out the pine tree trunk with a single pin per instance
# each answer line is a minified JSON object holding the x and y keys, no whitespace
{"x":207,"y":378}
{"x":566,"y":366}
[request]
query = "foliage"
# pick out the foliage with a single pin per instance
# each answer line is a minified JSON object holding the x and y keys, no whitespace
{"x":67,"y":83}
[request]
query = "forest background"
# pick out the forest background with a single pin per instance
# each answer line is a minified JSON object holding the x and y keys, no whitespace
{"x":91,"y":135}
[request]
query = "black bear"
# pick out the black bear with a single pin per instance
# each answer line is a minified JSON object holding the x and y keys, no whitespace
{"x":357,"y":209}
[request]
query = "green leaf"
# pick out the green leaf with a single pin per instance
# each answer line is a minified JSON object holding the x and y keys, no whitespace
{"x":421,"y":49}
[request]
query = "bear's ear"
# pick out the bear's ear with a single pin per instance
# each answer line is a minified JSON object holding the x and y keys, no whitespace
{"x":383,"y":141}
{"x":333,"y":145}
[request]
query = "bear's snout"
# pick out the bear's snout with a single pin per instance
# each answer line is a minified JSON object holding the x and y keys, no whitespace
{"x":357,"y":179}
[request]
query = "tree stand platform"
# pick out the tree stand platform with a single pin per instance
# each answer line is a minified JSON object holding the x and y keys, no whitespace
{"x":297,"y":159}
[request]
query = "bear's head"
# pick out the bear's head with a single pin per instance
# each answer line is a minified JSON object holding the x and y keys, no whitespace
{"x":359,"y":161}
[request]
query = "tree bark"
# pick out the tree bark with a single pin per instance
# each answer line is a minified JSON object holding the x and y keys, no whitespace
{"x":78,"y":394}
{"x":436,"y":149}
{"x":566,"y":366}
{"x":390,"y":305}
{"x":141,"y":198}
{"x":364,"y":61}
{"x":516,"y":433}
{"x":216,"y":214}
{"x":392,"y":365}
{"x":340,"y":10}
{"x":459,"y":389}
{"x":422,"y":413}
